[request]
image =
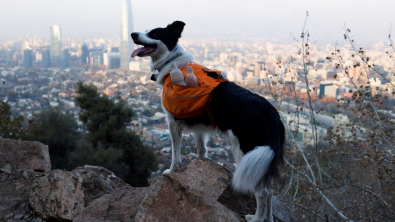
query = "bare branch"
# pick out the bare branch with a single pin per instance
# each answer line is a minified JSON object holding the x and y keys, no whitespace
{"x":384,"y":215}
{"x":307,"y":209}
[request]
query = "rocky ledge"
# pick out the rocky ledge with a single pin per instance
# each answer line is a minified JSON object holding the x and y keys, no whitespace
{"x":198,"y":191}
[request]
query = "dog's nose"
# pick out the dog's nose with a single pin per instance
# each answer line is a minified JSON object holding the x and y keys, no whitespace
{"x":135,"y":35}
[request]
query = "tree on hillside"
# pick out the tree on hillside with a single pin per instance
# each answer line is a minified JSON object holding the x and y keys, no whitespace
{"x":109,"y":158}
{"x":10,"y":127}
{"x":106,"y":121}
{"x":58,"y":130}
{"x":147,"y":113}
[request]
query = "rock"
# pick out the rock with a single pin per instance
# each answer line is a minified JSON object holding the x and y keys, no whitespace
{"x":121,"y":205}
{"x":19,"y":185}
{"x":18,"y":217}
{"x":200,"y":191}
{"x":6,"y":169}
{"x":8,"y":205}
{"x":24,"y":155}
{"x":25,"y":175}
{"x":15,"y":191}
{"x":107,"y":175}
{"x":58,"y":195}
{"x":93,"y":185}
{"x":62,"y":195}
{"x":190,"y":194}
{"x":27,"y":208}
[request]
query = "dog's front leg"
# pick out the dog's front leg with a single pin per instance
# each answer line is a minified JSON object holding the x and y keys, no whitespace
{"x":176,"y":136}
{"x":200,"y":145}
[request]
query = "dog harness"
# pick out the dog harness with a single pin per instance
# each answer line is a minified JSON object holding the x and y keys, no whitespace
{"x":189,"y":101}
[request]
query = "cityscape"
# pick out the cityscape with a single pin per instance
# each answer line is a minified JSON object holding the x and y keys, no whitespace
{"x":41,"y":72}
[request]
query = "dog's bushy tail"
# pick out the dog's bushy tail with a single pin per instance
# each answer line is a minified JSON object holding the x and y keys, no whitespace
{"x":253,"y":169}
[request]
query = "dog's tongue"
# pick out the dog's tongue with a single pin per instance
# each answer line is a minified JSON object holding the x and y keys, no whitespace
{"x":137,"y":51}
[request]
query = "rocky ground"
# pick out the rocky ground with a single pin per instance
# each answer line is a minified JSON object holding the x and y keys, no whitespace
{"x":199,"y":191}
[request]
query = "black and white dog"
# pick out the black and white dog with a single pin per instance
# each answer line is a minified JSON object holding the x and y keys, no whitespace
{"x":253,"y":125}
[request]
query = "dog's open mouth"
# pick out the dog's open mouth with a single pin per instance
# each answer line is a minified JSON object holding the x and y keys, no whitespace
{"x":145,"y":50}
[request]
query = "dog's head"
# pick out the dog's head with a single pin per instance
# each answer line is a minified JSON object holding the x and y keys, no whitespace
{"x":157,"y":41}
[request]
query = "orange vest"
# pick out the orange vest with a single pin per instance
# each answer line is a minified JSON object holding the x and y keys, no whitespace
{"x":188,"y":101}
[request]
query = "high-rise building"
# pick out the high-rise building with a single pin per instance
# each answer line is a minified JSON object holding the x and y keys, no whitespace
{"x":222,"y":57}
{"x":46,"y":58}
{"x":259,"y":66}
{"x":25,"y":45}
{"x":27,"y":58}
{"x":96,"y":57}
{"x":113,"y":49}
{"x":56,"y":43}
{"x":112,"y":60}
{"x":8,"y":55}
{"x":206,"y":52}
{"x":85,"y":54}
{"x":64,"y":58}
{"x":126,"y":29}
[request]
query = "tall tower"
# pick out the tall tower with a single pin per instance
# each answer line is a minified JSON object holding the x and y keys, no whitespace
{"x":85,"y":54}
{"x":56,"y":42}
{"x":126,"y":29}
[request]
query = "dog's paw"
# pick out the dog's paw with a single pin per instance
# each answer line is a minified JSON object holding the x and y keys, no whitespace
{"x":270,"y":219}
{"x":253,"y":218}
{"x":249,"y":217}
{"x":167,"y":171}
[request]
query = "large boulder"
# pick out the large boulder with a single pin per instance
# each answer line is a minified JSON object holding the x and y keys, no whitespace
{"x":189,"y":194}
{"x":121,"y":205}
{"x":24,"y":155}
{"x":193,"y":193}
{"x":198,"y":191}
{"x":62,"y":195}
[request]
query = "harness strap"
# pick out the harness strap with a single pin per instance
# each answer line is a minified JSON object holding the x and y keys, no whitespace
{"x":155,"y":76}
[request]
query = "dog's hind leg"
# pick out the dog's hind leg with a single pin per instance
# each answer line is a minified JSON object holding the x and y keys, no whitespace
{"x":268,"y":212}
{"x":201,"y":145}
{"x":263,"y":206}
{"x":248,"y":177}
{"x":176,"y":137}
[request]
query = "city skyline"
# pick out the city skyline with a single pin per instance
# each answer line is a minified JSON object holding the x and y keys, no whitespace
{"x":369,"y":21}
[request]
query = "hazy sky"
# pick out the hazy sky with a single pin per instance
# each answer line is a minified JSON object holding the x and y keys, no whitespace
{"x":369,"y":20}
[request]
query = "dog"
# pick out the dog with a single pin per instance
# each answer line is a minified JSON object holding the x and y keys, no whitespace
{"x":253,"y":125}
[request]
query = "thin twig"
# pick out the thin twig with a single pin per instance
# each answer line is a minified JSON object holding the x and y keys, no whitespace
{"x":305,"y":208}
{"x":384,"y":215}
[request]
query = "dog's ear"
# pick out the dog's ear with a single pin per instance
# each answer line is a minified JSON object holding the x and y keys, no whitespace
{"x":176,"y":28}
